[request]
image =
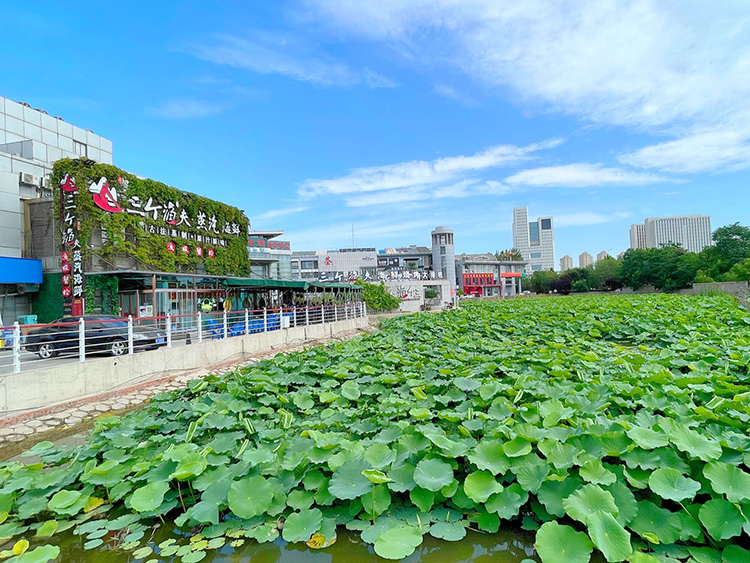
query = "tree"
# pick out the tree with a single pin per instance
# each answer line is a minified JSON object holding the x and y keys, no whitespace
{"x":541,"y":281}
{"x":563,"y":284}
{"x":604,"y":270}
{"x":512,"y":254}
{"x":732,"y":243}
{"x":669,"y":267}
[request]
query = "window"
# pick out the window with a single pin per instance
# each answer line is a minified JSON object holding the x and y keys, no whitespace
{"x":546,"y":224}
{"x":309,"y":265}
{"x":79,"y":148}
{"x":534,"y":234}
{"x":442,"y":250}
{"x":536,"y":254}
{"x":536,"y":267}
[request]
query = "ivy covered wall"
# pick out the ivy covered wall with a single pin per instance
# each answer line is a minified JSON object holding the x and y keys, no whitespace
{"x":134,"y":232}
{"x":47,"y":304}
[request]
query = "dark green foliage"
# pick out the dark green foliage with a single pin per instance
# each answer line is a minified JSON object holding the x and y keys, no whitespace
{"x":732,"y":243}
{"x":667,"y":268}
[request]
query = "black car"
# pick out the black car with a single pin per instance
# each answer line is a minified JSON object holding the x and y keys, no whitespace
{"x":102,"y":334}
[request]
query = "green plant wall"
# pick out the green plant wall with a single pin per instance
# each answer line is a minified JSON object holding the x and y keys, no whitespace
{"x":47,"y":303}
{"x":150,"y":249}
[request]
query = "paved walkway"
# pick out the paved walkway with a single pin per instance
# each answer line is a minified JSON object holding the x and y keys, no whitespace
{"x":78,"y":416}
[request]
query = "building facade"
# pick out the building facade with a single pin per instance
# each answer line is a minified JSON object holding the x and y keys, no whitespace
{"x":566,"y":263}
{"x":585,"y":259}
{"x":602,"y":255}
{"x":30,"y":142}
{"x":345,"y":264}
{"x":534,"y":239}
{"x":691,"y":232}
{"x":482,"y":275}
{"x":444,"y":256}
{"x":269,"y":259}
{"x":638,"y":236}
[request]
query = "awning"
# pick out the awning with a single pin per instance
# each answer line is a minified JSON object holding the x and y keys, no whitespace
{"x":264,"y":284}
{"x":20,"y":270}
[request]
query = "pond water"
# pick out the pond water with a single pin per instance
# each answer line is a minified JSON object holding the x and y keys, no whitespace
{"x":506,"y":546}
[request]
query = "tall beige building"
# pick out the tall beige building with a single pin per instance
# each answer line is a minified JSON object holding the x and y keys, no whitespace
{"x":602,"y":255}
{"x":585,"y":259}
{"x":691,"y":232}
{"x":566,"y":263}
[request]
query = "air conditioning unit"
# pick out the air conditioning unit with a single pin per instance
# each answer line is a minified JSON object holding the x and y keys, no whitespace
{"x":29,"y":179}
{"x":45,"y":182}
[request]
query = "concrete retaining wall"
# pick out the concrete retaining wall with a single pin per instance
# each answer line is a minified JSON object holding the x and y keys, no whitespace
{"x":738,"y":289}
{"x":47,"y":386}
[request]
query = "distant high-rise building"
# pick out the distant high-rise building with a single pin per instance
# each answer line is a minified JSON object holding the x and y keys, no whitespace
{"x":691,"y":232}
{"x":602,"y":255}
{"x":535,"y":240}
{"x":566,"y":263}
{"x":638,"y":236}
{"x":619,"y":256}
{"x":585,"y":259}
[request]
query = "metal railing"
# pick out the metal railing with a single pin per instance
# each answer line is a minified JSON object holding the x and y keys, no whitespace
{"x":75,"y":339}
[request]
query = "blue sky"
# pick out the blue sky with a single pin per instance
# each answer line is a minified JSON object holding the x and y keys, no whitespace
{"x":397,"y":116}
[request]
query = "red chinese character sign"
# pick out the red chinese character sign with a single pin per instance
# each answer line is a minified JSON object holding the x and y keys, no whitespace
{"x":71,"y":259}
{"x":68,"y":184}
{"x":105,"y":197}
{"x":65,"y":256}
{"x":66,"y":292}
{"x":211,"y":253}
{"x":199,"y":251}
{"x":66,"y":279}
{"x":185,"y":249}
{"x":170,"y":247}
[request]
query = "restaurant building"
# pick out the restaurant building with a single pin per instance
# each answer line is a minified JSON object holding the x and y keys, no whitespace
{"x":482,"y":275}
{"x":126,"y":245}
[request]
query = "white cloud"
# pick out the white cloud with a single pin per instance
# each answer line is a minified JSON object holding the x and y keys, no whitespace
{"x":586,"y":218}
{"x":454,"y":94}
{"x":375,"y":80}
{"x":581,"y":176}
{"x":269,"y":53}
{"x":420,"y":173}
{"x":666,"y":67}
{"x":187,"y":109}
{"x":703,"y":151}
{"x":274,"y":213}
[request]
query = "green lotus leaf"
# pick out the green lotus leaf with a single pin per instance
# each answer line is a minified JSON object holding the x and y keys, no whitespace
{"x":466,"y":383}
{"x":379,"y":455}
{"x":250,"y":496}
{"x":488,"y":522}
{"x":531,"y":473}
{"x":422,"y":498}
{"x":376,"y":502}
{"x":627,"y":506}
{"x":350,"y":390}
{"x":448,"y":531}
{"x":722,"y":519}
{"x":695,"y":444}
{"x":433,"y":474}
{"x":47,"y":529}
{"x":670,"y":484}
{"x":370,"y":533}
{"x":402,"y":478}
{"x":300,"y":500}
{"x":558,"y":543}
{"x":587,"y":500}
{"x":735,"y":554}
{"x":62,"y":500}
{"x":489,"y":455}
{"x":507,"y":502}
{"x":143,"y":552}
{"x":552,"y":493}
{"x":300,"y":526}
{"x":640,"y":557}
{"x":647,"y":438}
{"x":727,"y":480}
{"x":594,"y":472}
{"x":660,"y":522}
{"x":562,"y":456}
{"x":191,"y":465}
{"x":226,"y":441}
{"x":517,"y":447}
{"x":348,"y":482}
{"x":303,"y":402}
{"x":41,"y":554}
{"x":608,"y":536}
{"x":193,"y":557}
{"x":398,"y":542}
{"x":480,"y":485}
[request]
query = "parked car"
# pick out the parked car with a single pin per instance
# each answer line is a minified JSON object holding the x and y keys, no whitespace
{"x":102,"y":334}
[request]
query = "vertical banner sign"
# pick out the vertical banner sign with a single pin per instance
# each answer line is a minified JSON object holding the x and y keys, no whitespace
{"x":71,"y":258}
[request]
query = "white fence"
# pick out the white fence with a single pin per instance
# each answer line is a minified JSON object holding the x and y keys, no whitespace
{"x":28,"y":347}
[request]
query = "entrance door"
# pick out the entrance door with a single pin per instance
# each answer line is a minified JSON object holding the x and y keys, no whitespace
{"x":129,"y":303}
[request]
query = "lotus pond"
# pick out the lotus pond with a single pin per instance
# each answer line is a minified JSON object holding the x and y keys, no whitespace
{"x":609,"y":428}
